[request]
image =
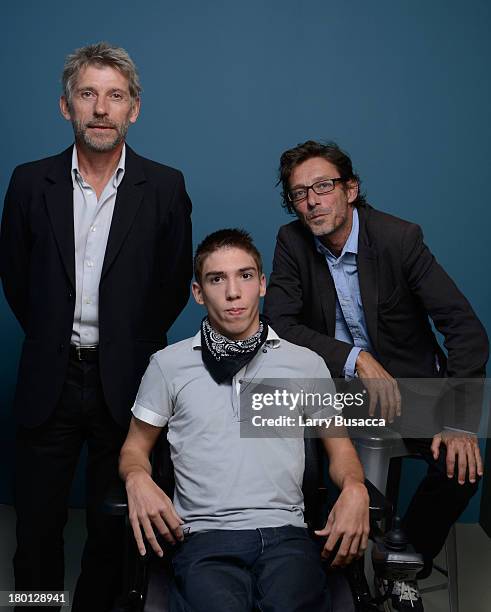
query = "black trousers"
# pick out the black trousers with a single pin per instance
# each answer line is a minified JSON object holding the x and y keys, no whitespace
{"x":46,"y":458}
{"x":436,"y":505}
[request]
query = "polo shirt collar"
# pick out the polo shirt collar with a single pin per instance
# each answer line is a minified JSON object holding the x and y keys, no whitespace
{"x":272,"y":339}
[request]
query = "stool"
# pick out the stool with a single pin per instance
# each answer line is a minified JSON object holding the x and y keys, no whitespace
{"x":376,"y":447}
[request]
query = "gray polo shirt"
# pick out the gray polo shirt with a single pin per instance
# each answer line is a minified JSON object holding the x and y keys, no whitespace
{"x":224,"y":481}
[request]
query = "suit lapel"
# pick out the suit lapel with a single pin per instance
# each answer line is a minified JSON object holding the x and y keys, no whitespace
{"x":128,"y":200}
{"x":326,"y":291}
{"x":367,"y":277}
{"x":59,"y":203}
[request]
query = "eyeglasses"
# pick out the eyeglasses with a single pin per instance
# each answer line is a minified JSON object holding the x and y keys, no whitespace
{"x":320,"y":188}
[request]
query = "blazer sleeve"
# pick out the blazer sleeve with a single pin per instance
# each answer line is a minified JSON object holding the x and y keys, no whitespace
{"x":176,"y":253}
{"x":465,"y":338}
{"x":15,"y":250}
{"x":284,"y":307}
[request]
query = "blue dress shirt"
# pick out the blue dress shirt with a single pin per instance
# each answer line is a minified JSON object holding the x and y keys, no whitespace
{"x":351,"y":326}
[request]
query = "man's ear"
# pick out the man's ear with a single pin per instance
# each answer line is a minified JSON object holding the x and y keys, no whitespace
{"x":135,"y":109}
{"x":262,"y":286}
{"x":197,"y":293}
{"x":352,"y":189}
{"x":65,"y":108}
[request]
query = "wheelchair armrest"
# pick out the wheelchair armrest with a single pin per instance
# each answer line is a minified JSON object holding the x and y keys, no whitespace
{"x":380,"y":506}
{"x":116,"y":502}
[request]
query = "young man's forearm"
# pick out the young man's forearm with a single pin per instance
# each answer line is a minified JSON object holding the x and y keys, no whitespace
{"x":135,"y":454}
{"x":133,"y":460}
{"x":349,"y":473}
{"x":344,"y":465}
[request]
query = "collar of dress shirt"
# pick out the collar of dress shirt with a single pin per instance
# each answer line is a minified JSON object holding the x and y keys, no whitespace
{"x":351,"y":245}
{"x":117,"y":176}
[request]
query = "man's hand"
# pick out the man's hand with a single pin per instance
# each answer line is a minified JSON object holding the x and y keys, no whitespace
{"x":465,"y":447}
{"x":150,"y":507}
{"x":347,"y":520}
{"x":381,"y":387}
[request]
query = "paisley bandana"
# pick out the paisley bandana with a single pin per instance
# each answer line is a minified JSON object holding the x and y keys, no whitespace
{"x":223,"y":357}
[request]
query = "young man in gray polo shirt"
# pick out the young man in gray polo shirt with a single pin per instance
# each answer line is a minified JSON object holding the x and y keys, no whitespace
{"x":238,"y":499}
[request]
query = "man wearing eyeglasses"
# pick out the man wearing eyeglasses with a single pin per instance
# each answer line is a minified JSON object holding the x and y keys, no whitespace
{"x":358,"y":287}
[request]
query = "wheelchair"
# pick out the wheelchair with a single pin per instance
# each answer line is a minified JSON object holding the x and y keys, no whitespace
{"x":147,"y":579}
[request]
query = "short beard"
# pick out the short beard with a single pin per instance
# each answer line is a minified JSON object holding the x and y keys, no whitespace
{"x":99,"y":146}
{"x":318,"y":232}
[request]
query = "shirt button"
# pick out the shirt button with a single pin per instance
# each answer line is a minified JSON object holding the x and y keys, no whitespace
{"x":265,"y":350}
{"x":92,"y":229}
{"x":90,"y":263}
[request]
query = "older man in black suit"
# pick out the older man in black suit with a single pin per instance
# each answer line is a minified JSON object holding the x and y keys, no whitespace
{"x":96,"y":259}
{"x":358,"y":287}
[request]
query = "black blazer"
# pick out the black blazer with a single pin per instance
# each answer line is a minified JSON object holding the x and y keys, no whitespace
{"x":144,"y":283}
{"x":401,"y":285}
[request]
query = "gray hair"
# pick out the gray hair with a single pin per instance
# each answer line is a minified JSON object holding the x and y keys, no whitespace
{"x":102,"y":54}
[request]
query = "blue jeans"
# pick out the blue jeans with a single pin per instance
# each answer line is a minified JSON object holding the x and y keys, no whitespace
{"x":272,"y":569}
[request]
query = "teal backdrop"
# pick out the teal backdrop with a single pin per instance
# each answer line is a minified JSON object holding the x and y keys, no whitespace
{"x":403,"y":86}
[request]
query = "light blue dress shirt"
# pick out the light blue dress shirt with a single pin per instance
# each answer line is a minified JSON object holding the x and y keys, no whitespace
{"x":351,"y":326}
